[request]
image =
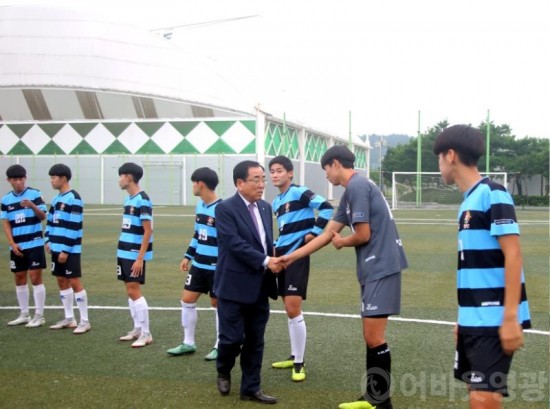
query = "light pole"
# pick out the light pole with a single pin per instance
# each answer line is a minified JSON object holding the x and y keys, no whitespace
{"x":381,"y":142}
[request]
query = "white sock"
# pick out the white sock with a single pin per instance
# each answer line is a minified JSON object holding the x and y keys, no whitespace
{"x":39,"y":294}
{"x":22,"y":293}
{"x":189,"y":322}
{"x":137,"y":324}
{"x":217,"y":328}
{"x":142,"y":314}
{"x":67,"y":299}
{"x":298,"y":334}
{"x":82,"y":303}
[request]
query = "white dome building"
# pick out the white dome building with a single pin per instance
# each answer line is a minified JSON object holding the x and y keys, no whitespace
{"x":91,"y":93}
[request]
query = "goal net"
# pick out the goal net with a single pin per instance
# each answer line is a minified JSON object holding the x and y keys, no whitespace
{"x":427,"y":190}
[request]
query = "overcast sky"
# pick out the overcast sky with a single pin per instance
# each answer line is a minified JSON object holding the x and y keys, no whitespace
{"x":382,"y":60}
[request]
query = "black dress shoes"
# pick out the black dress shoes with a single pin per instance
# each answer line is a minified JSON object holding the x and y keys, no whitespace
{"x":224,"y":384}
{"x":260,"y":397}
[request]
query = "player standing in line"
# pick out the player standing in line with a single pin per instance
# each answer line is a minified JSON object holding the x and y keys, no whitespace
{"x":203,"y":254}
{"x":23,"y":209}
{"x":492,"y":301}
{"x":380,"y":259}
{"x":64,"y":242}
{"x":135,"y":247}
{"x":294,"y":208}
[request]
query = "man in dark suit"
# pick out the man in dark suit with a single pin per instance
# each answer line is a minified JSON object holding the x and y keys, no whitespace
{"x":244,"y":280}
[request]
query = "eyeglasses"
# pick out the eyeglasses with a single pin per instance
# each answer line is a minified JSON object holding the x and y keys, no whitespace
{"x":256,"y":181}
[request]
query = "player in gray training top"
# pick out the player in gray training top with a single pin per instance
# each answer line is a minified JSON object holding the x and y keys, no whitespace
{"x":380,"y":259}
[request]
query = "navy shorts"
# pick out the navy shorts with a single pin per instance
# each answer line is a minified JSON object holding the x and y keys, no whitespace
{"x":70,"y":269}
{"x":200,"y":280}
{"x":481,"y":362}
{"x":293,"y":279}
{"x":33,"y":259}
{"x":124,"y":271}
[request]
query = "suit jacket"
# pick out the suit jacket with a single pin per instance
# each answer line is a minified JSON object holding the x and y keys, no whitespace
{"x":240,"y":275}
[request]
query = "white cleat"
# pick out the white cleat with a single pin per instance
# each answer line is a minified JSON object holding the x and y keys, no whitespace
{"x":82,"y":328}
{"x":143,"y":340}
{"x":22,"y":319}
{"x":66,"y":323}
{"x":37,"y":321}
{"x":132,"y":335}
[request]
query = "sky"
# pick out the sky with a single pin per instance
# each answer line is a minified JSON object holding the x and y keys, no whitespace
{"x":394,"y":66}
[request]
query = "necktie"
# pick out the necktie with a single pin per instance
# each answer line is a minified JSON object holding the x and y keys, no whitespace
{"x":251,"y":210}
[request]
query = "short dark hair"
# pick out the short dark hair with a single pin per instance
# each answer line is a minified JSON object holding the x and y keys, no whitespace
{"x":283,"y":161}
{"x":16,"y":172}
{"x":59,"y":169}
{"x":131,"y":168}
{"x":240,"y":171}
{"x":207,"y":176}
{"x":465,"y":140}
{"x":340,"y":153}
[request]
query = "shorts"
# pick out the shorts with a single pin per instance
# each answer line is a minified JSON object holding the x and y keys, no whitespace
{"x":33,"y":259}
{"x":200,"y":280}
{"x":70,"y":269}
{"x":481,"y":362}
{"x":293,"y":279}
{"x":124,"y":271}
{"x":382,"y":296}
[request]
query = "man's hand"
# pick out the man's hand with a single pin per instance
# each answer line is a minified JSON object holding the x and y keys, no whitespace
{"x":16,"y":249}
{"x":47,"y":247}
{"x":337,"y":240}
{"x":511,"y":336}
{"x":137,"y":268}
{"x":26,"y":203}
{"x":274,"y":265}
{"x":62,"y":259}
{"x":184,"y":265}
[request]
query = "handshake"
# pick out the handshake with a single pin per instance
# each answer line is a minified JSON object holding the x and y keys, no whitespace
{"x":277,"y":264}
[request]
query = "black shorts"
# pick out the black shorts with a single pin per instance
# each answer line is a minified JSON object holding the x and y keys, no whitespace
{"x":481,"y":362}
{"x":293,"y":279}
{"x":124,"y":271}
{"x":33,"y":259}
{"x":200,"y":280}
{"x":69,"y":269}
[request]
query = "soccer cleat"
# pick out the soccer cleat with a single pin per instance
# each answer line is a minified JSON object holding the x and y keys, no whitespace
{"x":22,"y":319}
{"x":82,"y":328}
{"x":66,"y":323}
{"x":37,"y":321}
{"x":182,"y":349}
{"x":212,"y":355}
{"x":360,"y":404}
{"x":289,"y":363}
{"x":298,"y":373}
{"x":143,"y":340}
{"x":130,"y":336}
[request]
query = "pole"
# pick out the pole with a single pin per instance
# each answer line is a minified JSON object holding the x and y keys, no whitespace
{"x":418,"y":165}
{"x":350,"y":143}
{"x":487,"y":150}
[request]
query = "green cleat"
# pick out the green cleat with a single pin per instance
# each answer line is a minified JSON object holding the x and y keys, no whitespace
{"x":289,"y":363}
{"x":212,"y":355}
{"x":298,"y":373}
{"x":182,"y":349}
{"x":360,"y":404}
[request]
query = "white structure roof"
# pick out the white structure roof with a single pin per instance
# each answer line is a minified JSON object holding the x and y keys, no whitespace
{"x":121,"y":71}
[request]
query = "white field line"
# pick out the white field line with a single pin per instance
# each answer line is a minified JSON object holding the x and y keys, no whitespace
{"x":317,"y":314}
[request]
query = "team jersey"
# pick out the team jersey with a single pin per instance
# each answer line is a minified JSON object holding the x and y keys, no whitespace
{"x":64,"y":226}
{"x":26,"y":228}
{"x":295,"y":214}
{"x":137,"y":208}
{"x":486,"y":213}
{"x":383,"y":254}
{"x":203,"y":249}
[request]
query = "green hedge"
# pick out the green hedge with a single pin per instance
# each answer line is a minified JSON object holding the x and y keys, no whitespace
{"x":531,"y":200}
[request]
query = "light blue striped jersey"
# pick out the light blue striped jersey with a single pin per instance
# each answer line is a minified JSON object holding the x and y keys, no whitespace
{"x":64,"y":226}
{"x":486,"y":213}
{"x":203,"y":249}
{"x":26,"y":228}
{"x":137,"y":208}
{"x":295,"y":214}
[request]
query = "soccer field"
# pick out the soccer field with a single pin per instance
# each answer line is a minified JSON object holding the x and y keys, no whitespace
{"x":40,"y":368}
